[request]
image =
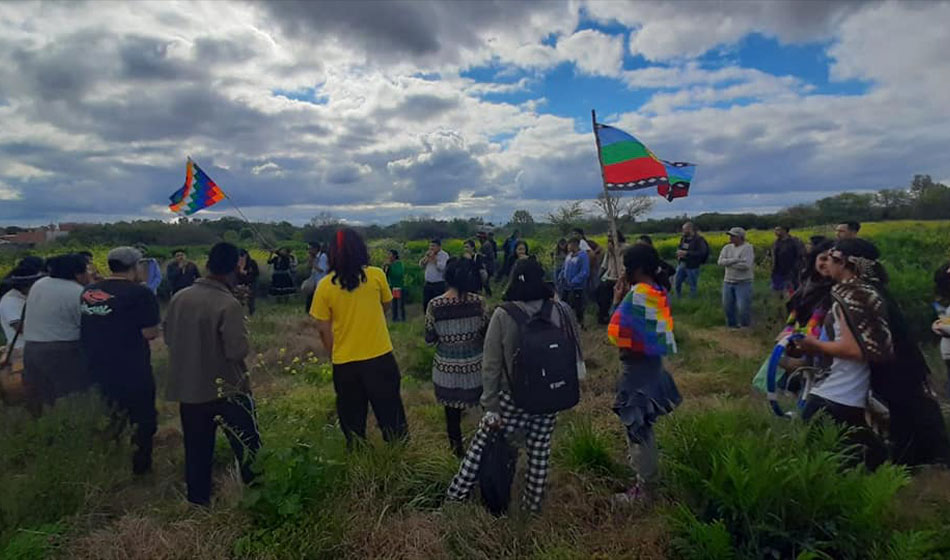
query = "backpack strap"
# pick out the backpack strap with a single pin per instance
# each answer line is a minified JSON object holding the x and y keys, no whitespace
{"x":515,"y":312}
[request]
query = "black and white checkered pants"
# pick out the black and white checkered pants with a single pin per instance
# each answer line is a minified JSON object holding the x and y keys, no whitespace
{"x":537,"y":430}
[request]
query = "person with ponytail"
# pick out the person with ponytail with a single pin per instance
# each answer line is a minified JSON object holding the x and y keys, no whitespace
{"x":642,"y":328}
{"x":350,"y":307}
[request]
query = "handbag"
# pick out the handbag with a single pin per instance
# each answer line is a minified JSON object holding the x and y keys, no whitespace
{"x":13,"y":390}
{"x":496,"y":472}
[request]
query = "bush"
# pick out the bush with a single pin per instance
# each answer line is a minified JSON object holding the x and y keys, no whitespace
{"x":33,"y":544}
{"x":584,"y":450}
{"x":55,"y":465}
{"x":780,"y":488}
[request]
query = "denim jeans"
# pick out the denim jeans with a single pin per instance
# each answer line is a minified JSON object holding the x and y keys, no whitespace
{"x":690,"y":275}
{"x":737,"y":303}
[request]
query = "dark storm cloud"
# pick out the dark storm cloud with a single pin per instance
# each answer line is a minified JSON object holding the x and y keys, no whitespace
{"x":420,"y":108}
{"x":390,"y":31}
{"x":437,"y":173}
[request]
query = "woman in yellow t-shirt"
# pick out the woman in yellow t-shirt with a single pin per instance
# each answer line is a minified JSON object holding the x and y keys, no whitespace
{"x":350,"y":306}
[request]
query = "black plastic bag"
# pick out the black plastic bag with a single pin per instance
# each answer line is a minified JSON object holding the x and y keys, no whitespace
{"x":496,"y":473}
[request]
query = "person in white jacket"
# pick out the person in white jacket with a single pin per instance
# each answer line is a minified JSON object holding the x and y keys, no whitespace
{"x":738,"y":258}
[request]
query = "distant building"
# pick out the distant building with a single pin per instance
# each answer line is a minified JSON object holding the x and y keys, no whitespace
{"x":38,"y":236}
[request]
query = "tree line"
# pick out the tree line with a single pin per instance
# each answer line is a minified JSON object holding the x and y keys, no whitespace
{"x":923,"y":199}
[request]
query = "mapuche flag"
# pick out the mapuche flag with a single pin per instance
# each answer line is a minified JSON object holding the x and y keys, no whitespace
{"x":629,"y":165}
{"x":199,"y":192}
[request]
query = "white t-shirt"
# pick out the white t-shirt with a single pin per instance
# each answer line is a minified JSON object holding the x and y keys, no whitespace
{"x":53,"y":311}
{"x":435,"y":271}
{"x":945,"y":341}
{"x":848,"y":382}
{"x":585,"y":246}
{"x":11,"y":311}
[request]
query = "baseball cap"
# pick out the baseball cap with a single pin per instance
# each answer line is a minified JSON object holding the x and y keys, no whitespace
{"x":125,"y":255}
{"x":738,"y":232}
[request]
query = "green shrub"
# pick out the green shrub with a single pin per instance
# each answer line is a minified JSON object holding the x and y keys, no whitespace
{"x":696,"y":540}
{"x":583,"y":450}
{"x":33,"y":544}
{"x":293,"y":480}
{"x":780,"y":488}
{"x":55,"y":465}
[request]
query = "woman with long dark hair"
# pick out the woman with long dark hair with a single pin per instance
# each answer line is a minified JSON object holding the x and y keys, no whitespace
{"x":455,"y":323}
{"x":872,"y":347}
{"x":282,"y":276}
{"x":531,"y":296}
{"x":642,"y":328}
{"x":351,"y":313}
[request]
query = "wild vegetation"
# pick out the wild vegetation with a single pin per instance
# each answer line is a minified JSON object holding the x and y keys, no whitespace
{"x":737,"y":482}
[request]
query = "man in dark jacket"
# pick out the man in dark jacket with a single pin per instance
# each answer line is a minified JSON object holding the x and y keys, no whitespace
{"x":181,"y":272}
{"x":788,"y":255}
{"x":692,"y":253}
{"x":207,"y":344}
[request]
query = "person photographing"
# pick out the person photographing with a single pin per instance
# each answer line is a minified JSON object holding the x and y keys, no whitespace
{"x":434,"y":263}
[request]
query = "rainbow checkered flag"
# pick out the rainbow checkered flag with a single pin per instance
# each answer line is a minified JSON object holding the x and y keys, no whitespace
{"x":199,"y":192}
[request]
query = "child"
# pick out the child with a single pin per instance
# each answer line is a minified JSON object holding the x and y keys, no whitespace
{"x":642,"y":328}
{"x":395,"y":275}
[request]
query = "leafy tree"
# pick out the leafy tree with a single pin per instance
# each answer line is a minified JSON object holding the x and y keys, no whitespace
{"x":522,"y":218}
{"x":567,"y":216}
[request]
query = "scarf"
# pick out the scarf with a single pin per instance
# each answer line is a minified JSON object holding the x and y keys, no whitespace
{"x":642,"y":323}
{"x":865,"y":311}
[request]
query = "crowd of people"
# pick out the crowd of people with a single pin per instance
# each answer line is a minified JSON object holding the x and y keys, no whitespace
{"x":519,"y":362}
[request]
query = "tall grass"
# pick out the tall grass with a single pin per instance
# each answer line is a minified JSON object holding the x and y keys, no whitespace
{"x":779,"y":488}
{"x":58,"y":464}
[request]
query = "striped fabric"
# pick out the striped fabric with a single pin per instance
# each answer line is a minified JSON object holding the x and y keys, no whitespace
{"x":642,"y":323}
{"x":456,"y":326}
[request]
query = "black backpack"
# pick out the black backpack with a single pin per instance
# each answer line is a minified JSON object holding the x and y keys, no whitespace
{"x":544,"y":379}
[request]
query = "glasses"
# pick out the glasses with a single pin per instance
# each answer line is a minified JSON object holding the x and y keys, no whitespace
{"x":838,"y":259}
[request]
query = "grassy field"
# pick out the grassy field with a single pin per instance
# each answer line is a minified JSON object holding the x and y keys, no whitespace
{"x":737,"y":483}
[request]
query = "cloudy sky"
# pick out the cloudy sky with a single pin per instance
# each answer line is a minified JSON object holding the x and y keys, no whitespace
{"x":379,"y":110}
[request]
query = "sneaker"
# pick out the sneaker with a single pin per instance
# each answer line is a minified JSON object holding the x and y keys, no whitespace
{"x":636,"y":494}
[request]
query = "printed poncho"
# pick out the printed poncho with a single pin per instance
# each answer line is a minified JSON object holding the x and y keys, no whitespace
{"x":642,"y":323}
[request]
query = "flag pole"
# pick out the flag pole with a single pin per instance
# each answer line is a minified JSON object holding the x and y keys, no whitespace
{"x":608,"y":205}
{"x":264,"y":241}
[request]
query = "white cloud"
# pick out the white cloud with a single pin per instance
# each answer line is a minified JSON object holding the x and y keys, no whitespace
{"x":387,"y":126}
{"x":593,"y":52}
{"x":269,"y":168}
{"x":689,"y":28}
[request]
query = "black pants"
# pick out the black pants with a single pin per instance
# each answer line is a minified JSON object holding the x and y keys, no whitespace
{"x":453,"y":426}
{"x":359,"y":384}
{"x":872,"y":450}
{"x":135,"y":404}
{"x":399,"y":309}
{"x":251,"y":305}
{"x":576,"y":299}
{"x":199,"y":423}
{"x":605,"y":298}
{"x":431,"y":291}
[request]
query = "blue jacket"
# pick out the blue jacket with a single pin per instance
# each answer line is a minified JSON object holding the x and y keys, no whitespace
{"x":575,"y":272}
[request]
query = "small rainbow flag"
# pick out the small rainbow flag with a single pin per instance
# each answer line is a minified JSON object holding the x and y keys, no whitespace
{"x":198,"y":193}
{"x":629,"y":165}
